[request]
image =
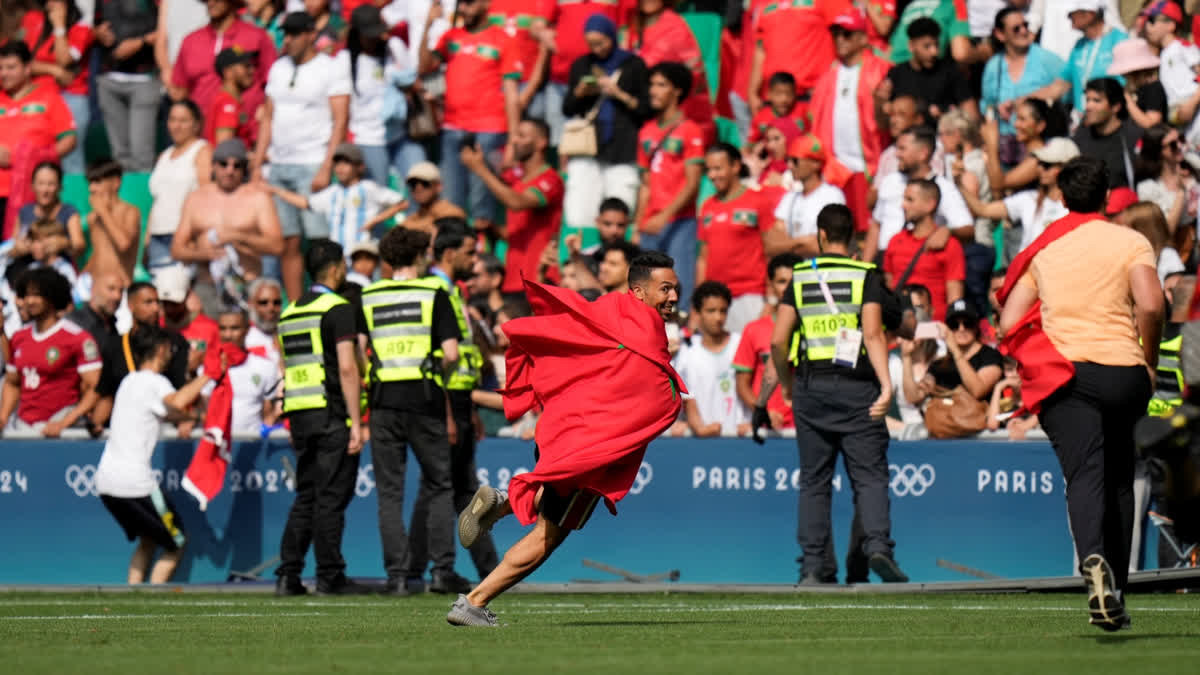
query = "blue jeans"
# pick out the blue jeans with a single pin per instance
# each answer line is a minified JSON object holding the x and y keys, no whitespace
{"x":678,"y":240}
{"x":460,"y":186}
{"x":376,"y":159}
{"x":404,"y":155}
{"x":554,"y":94}
{"x":293,"y":221}
{"x":81,"y":112}
{"x":158,"y":251}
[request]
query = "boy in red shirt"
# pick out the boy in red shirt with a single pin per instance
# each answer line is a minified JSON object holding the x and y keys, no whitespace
{"x":943,"y":271}
{"x":782,"y":102}
{"x":732,"y":225}
{"x":227,"y":117}
{"x":793,"y":37}
{"x":752,"y":360}
{"x":671,"y":157}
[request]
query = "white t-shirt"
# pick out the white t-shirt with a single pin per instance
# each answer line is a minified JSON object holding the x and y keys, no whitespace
{"x":909,"y":413}
{"x":258,"y":340}
{"x":1177,"y":70}
{"x":348,"y":208}
{"x":1057,"y":34}
{"x":302,"y":121}
{"x":137,"y":416}
{"x":710,"y":379}
{"x":254,"y":381}
{"x":414,"y":12}
{"x":1023,"y":208}
{"x":1169,"y":263}
{"x":889,"y":206}
{"x":847,"y":136}
{"x":798,"y":211}
{"x":366,"y":97}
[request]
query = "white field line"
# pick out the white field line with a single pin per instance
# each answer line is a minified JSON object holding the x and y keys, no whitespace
{"x":217,"y":615}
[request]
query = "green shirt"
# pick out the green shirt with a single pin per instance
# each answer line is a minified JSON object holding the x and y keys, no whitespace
{"x":945,"y":12}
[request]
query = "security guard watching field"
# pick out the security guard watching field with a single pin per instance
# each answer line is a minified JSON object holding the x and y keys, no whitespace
{"x":454,"y":261}
{"x":414,"y":338}
{"x":319,"y":339}
{"x":1168,"y":385}
{"x":841,"y":389}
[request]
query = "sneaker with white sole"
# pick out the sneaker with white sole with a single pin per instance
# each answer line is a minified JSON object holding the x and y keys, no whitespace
{"x":479,"y":516}
{"x":1105,"y":606}
{"x":463,"y":613}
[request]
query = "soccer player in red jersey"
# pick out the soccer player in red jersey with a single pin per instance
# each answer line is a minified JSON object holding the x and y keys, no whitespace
{"x":51,"y":380}
{"x":606,"y":361}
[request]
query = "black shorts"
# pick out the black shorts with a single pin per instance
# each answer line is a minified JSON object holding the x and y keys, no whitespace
{"x":152,"y":516}
{"x":570,"y":511}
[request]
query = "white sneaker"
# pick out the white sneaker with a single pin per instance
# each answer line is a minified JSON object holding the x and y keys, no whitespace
{"x":481,"y":514}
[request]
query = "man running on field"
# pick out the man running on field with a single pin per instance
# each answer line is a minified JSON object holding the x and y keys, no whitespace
{"x":582,"y":363}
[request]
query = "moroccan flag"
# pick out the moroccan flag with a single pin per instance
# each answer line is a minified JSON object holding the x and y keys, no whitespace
{"x":601,"y":374}
{"x":206,"y":473}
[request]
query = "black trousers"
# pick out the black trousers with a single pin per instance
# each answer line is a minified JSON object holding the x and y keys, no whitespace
{"x":832,"y":418}
{"x":392,"y":432}
{"x":325,"y":478}
{"x":1090,"y":422}
{"x":463,"y":486}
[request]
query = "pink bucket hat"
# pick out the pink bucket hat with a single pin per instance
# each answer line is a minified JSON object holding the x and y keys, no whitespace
{"x":1131,"y":56}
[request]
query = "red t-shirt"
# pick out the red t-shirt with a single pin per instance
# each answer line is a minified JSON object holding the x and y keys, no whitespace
{"x":933,"y":269}
{"x":531,"y":229}
{"x":671,"y":39}
{"x":79,"y":38}
{"x":476,"y":66}
{"x":733,"y":231}
{"x":48,"y":366}
{"x":753,"y":353}
{"x":227,"y":112}
{"x":766,"y":115}
{"x":684,"y":145}
{"x":568,"y":18}
{"x":195,"y":68}
{"x":795,"y":35}
{"x":40,"y":118}
{"x":745,"y":62}
{"x":516,"y":17}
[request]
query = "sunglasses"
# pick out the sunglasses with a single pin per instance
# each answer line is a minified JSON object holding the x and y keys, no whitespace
{"x":273,"y":302}
{"x":1046,"y":165}
{"x":232,"y":164}
{"x":418,"y":182}
{"x":1173,"y":145}
{"x":959,"y":324}
{"x":1019,"y":28}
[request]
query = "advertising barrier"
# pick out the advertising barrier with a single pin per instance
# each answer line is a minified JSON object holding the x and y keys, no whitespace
{"x":721,"y":510}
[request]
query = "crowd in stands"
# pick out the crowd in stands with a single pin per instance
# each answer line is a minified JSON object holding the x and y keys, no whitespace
{"x":167,"y":161}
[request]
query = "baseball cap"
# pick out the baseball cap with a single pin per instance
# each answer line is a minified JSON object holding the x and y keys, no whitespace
{"x":349,"y":152}
{"x":231,"y":56}
{"x":1096,"y":6}
{"x":1164,"y":8}
{"x":172,"y":283}
{"x":368,"y":21}
{"x":426,"y":171}
{"x":232,"y":148}
{"x":369,"y":247}
{"x":1057,"y":151}
{"x":298,"y":22}
{"x":852,"y":20}
{"x":807,"y":147}
{"x":961,"y":309}
{"x":1119,"y":199}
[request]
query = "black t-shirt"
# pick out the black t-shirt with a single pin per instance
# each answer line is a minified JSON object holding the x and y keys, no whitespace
{"x":1118,"y":150}
{"x":1152,"y":97}
{"x":337,"y":325}
{"x":102,"y":330}
{"x":116,"y":366}
{"x":945,"y":373}
{"x":943,"y":85}
{"x":423,"y":397}
{"x":875,"y":290}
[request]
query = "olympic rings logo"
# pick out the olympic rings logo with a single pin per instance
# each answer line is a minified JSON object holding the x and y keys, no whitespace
{"x":82,"y":479}
{"x":645,"y":474}
{"x":910,"y":480}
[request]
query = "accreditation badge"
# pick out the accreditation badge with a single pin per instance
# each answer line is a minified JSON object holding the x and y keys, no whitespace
{"x":847,"y":347}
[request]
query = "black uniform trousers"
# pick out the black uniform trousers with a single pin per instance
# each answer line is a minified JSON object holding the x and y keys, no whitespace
{"x":325,"y":479}
{"x":832,"y":418}
{"x":1090,"y":422}
{"x":464,"y":483}
{"x":392,"y":432}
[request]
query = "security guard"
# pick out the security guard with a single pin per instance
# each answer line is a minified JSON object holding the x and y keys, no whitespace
{"x":414,"y":344}
{"x":842,"y":389}
{"x":1169,"y":383}
{"x":454,"y":256}
{"x":319,"y":341}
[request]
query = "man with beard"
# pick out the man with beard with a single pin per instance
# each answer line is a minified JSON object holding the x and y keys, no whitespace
{"x":266,"y":304}
{"x":532,"y":195}
{"x":226,"y":228}
{"x":98,"y":316}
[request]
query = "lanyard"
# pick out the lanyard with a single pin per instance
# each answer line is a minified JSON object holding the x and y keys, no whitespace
{"x":320,"y":289}
{"x":833,"y":308}
{"x":1087,"y":72}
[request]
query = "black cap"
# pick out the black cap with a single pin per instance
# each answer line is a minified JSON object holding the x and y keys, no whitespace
{"x":368,"y":21}
{"x":298,"y":22}
{"x":232,"y":55}
{"x":961,"y":309}
{"x":232,"y":148}
{"x":349,"y":152}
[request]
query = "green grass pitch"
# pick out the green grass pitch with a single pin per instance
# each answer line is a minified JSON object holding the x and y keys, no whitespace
{"x":127,"y":633}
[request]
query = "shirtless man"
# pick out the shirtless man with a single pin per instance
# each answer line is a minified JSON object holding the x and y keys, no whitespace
{"x":227,"y":227}
{"x":424,"y":182}
{"x":113,"y":226}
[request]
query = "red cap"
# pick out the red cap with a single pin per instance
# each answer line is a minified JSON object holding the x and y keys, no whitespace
{"x":807,"y":147}
{"x":1119,"y":199}
{"x":852,"y":20}
{"x":1164,"y":8}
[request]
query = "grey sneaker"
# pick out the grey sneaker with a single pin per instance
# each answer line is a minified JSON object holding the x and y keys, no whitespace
{"x":1105,"y":606}
{"x":479,"y":516}
{"x":463,"y":613}
{"x":887,"y":569}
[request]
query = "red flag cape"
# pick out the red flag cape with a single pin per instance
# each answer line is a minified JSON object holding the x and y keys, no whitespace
{"x":602,"y":376}
{"x":1043,"y":368}
{"x":206,"y":473}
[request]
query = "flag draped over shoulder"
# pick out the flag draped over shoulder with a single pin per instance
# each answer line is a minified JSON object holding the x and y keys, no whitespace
{"x":206,"y":473}
{"x":601,"y":374}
